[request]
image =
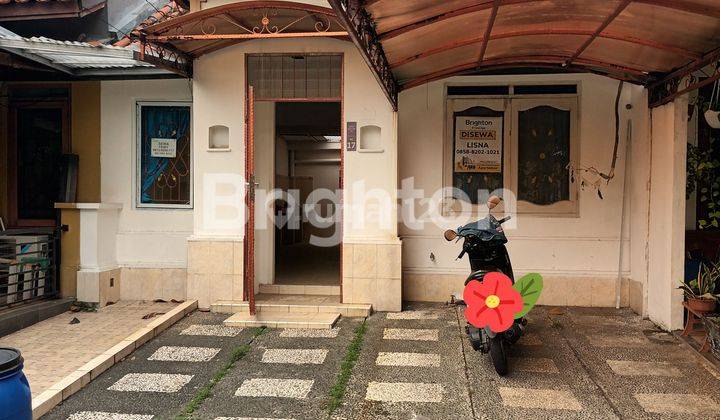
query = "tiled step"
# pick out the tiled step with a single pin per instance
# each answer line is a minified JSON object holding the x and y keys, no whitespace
{"x":298,"y":306}
{"x":299,"y":289}
{"x":283,"y":320}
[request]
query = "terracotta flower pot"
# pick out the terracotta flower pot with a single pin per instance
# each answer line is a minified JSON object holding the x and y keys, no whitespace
{"x":702,"y":305}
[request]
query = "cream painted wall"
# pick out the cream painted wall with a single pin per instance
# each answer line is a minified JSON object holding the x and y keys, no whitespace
{"x":152,"y":238}
{"x":667,"y":219}
{"x":219,"y":95}
{"x":639,"y":190}
{"x":582,"y":246}
{"x":265,"y":177}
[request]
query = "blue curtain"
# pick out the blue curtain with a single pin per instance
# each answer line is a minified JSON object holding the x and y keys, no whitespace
{"x":169,"y":122}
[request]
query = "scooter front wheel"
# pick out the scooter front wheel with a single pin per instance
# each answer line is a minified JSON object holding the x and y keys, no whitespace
{"x":497,"y":354}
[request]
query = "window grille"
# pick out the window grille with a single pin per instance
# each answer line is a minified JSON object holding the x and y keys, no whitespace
{"x":276,"y":76}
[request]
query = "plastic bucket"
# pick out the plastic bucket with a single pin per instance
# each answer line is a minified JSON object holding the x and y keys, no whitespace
{"x":15,"y":396}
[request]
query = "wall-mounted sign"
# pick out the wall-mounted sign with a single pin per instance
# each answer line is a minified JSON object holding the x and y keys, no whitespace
{"x":351,"y":136}
{"x":478,"y":144}
{"x":163,"y":148}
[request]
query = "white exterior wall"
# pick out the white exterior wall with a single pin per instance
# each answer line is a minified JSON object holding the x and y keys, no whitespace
{"x":667,"y":219}
{"x":564,"y":249}
{"x":371,"y":250}
{"x":219,"y":95}
{"x":577,"y":255}
{"x":639,"y":208}
{"x":147,"y":238}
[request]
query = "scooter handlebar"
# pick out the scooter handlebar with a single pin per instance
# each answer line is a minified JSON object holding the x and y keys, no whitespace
{"x":504,"y":219}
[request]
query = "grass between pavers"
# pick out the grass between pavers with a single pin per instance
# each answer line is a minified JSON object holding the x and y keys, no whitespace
{"x":206,"y":391}
{"x":337,"y":392}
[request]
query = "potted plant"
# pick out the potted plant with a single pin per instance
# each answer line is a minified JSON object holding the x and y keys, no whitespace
{"x":699,"y":291}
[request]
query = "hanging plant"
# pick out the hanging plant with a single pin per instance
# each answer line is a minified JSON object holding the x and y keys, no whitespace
{"x":703,"y":176}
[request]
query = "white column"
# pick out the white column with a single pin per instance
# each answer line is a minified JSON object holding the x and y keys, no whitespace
{"x":666,"y":238}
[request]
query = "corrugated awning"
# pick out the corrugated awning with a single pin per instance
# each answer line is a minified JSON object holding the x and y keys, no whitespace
{"x":47,"y":9}
{"x":425,"y":39}
{"x":641,"y":41}
{"x":80,"y":59}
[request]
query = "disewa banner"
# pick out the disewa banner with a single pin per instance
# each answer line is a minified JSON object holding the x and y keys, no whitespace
{"x":478,"y":144}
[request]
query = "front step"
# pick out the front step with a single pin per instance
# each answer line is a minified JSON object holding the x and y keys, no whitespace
{"x":283,"y":320}
{"x":299,"y":289}
{"x":293,"y":304}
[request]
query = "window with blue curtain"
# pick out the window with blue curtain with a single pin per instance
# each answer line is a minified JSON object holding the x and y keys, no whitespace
{"x":164,"y":155}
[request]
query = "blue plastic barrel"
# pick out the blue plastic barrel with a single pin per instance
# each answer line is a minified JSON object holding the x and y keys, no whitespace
{"x":15,"y":397}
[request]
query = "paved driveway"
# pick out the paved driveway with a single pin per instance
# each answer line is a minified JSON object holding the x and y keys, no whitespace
{"x":573,"y":363}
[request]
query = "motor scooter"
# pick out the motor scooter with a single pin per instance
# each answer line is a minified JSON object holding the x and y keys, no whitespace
{"x":484,"y":243}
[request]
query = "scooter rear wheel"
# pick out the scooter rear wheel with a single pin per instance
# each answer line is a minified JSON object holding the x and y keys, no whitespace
{"x":497,"y":354}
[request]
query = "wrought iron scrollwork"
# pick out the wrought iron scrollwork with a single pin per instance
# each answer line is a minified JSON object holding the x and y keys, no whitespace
{"x":361,"y":28}
{"x":166,"y":57}
{"x":684,"y":80}
{"x":269,"y":22}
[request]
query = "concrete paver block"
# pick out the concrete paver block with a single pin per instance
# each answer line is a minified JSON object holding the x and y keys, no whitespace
{"x":103,"y":415}
{"x":678,"y":404}
{"x":151,"y":382}
{"x":45,"y":402}
{"x":272,"y":387}
{"x":413,"y":334}
{"x":184,"y":354}
{"x":548,"y":399}
{"x":211,"y":330}
{"x":404,"y":392}
{"x":295,"y":356}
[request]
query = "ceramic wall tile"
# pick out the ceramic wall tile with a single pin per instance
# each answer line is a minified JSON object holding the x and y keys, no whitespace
{"x":364,"y":260}
{"x":389,"y":295}
{"x":389,"y":264}
{"x":603,"y":292}
{"x":238,"y":257}
{"x":347,"y":259}
{"x":221,"y":257}
{"x":364,"y":290}
{"x":220,"y":287}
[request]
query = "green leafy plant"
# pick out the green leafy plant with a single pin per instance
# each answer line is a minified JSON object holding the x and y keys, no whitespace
{"x":703,"y":176}
{"x":530,"y":286}
{"x":337,"y":392}
{"x":703,"y":286}
{"x":206,"y":391}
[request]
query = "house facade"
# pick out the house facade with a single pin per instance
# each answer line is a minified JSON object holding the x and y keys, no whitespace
{"x":285,"y":163}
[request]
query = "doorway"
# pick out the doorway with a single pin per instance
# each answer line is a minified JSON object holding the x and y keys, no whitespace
{"x":297,"y":162}
{"x":39,"y":137}
{"x":307,"y":160}
{"x":296,"y":152}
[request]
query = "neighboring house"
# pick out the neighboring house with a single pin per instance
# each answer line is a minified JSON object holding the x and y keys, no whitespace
{"x":50,"y":112}
{"x":365,"y":95}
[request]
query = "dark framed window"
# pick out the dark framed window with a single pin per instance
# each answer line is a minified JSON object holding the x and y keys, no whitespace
{"x":164,"y":155}
{"x":525,"y":145}
{"x":543,"y":155}
{"x":39,"y":137}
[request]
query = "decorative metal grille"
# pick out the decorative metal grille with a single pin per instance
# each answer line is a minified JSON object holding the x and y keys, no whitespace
{"x":295,"y":76}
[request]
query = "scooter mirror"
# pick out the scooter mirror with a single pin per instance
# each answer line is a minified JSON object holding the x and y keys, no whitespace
{"x":450,"y":235}
{"x":493,"y":201}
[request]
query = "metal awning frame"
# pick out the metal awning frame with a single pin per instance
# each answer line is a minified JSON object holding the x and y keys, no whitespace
{"x":663,"y":88}
{"x":223,"y":26}
{"x":362,"y":32}
{"x":89,"y":61}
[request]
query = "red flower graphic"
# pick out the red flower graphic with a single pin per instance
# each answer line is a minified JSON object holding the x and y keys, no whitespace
{"x":492,"y":302}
